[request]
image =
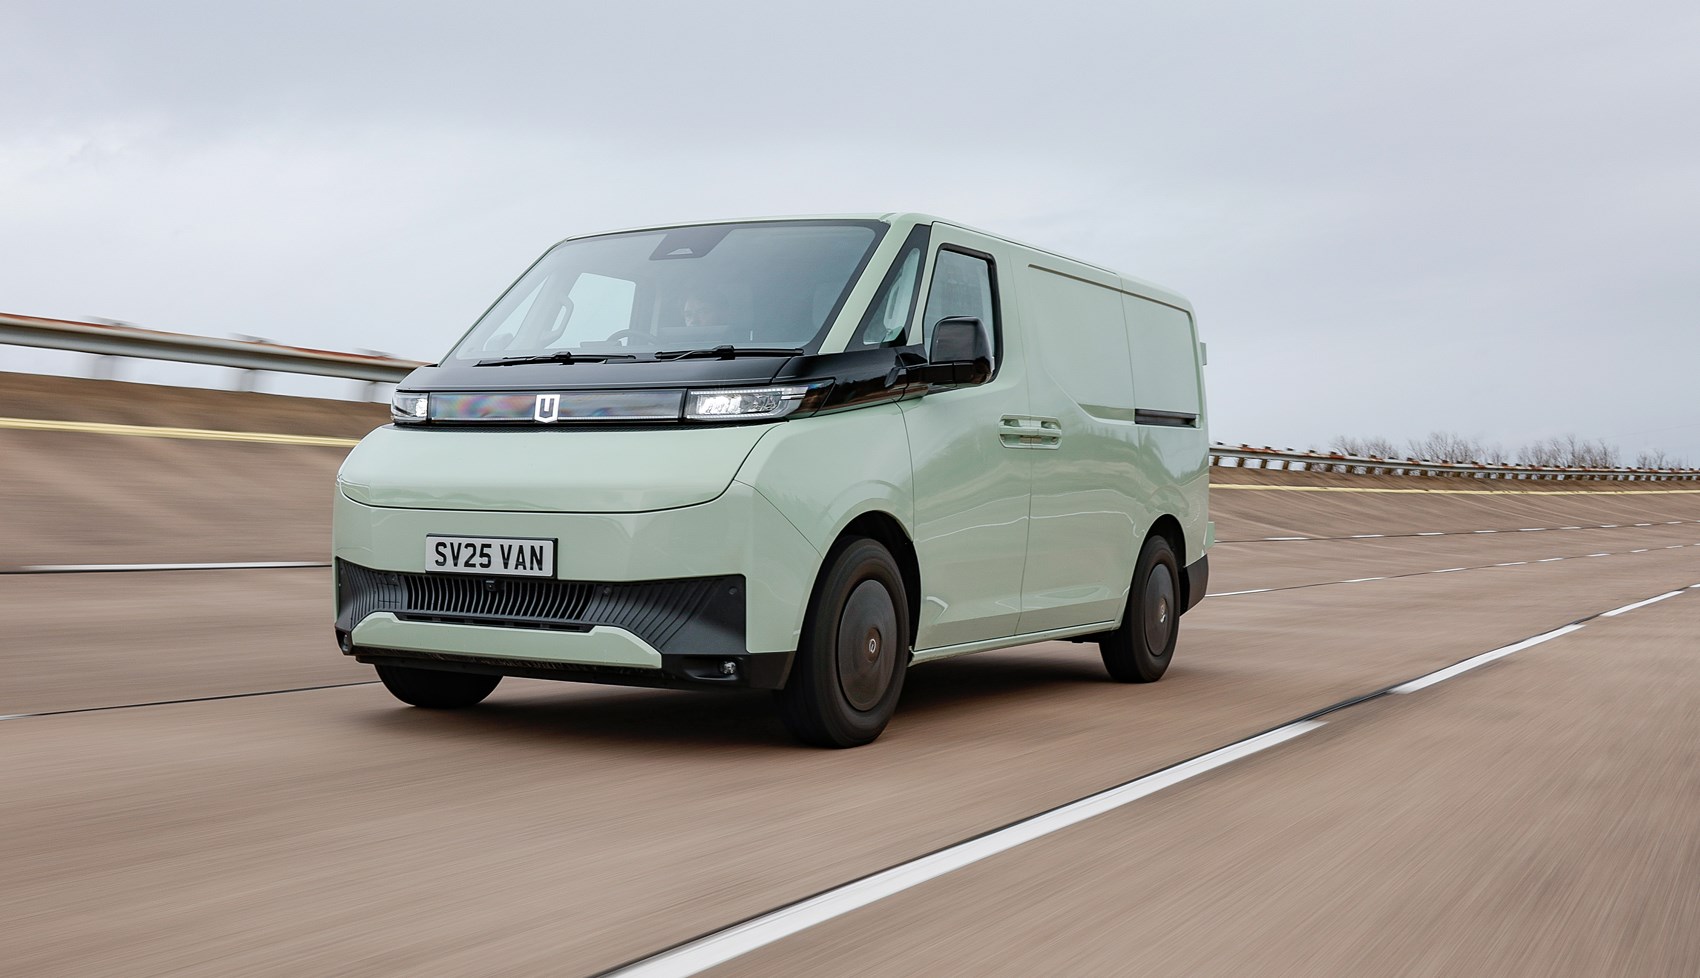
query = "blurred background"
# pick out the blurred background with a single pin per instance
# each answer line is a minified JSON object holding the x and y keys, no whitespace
{"x":1438,"y":228}
{"x":1394,"y":220}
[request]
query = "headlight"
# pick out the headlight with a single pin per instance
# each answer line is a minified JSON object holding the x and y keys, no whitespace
{"x":408,"y":408}
{"x":744,"y":404}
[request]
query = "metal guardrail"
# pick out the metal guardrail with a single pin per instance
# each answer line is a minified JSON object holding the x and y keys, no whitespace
{"x":1247,"y":457}
{"x":148,"y":344}
{"x":120,"y":340}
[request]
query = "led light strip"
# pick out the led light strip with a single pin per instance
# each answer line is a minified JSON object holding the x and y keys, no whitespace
{"x":552,"y":407}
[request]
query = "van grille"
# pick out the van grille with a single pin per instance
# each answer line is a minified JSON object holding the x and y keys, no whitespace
{"x":700,"y":614}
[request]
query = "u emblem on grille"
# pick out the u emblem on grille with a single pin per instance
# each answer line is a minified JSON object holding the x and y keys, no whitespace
{"x":547,"y":408}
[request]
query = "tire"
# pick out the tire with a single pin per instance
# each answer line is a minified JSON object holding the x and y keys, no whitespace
{"x":436,"y":689}
{"x":849,"y":670}
{"x":1141,"y":649}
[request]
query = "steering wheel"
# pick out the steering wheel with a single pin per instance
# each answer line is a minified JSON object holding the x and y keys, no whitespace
{"x":631,"y":334}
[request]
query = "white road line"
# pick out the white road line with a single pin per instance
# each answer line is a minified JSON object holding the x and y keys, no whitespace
{"x":98,"y":568}
{"x":1640,"y":604}
{"x":740,"y":939}
{"x":719,"y":947}
{"x":1440,"y":676}
{"x":1447,"y":570}
{"x":1451,"y":533}
{"x":1674,"y":546}
{"x":182,"y":702}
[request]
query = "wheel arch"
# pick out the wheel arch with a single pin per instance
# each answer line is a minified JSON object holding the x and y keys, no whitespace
{"x":886,"y":530}
{"x":1169,"y":528}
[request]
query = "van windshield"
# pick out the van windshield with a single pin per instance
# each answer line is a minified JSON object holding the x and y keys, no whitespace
{"x":763,"y":286}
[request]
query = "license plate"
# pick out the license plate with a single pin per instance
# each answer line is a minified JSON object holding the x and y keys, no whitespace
{"x":510,"y":556}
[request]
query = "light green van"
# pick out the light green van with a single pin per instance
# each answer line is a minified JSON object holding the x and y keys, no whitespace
{"x":800,"y":455}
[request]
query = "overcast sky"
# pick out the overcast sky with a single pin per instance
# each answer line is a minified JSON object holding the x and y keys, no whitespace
{"x":1391,"y":218}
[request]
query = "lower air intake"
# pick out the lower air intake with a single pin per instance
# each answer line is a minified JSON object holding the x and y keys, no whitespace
{"x":695,"y":615}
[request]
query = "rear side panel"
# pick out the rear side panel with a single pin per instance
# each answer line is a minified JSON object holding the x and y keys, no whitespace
{"x":1173,"y":428}
{"x":1119,"y":377}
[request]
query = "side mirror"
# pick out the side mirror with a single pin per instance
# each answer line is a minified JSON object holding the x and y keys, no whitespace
{"x":960,"y":352}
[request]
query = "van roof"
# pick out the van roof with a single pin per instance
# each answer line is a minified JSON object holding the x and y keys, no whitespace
{"x":902,"y":220}
{"x":1132,"y":283}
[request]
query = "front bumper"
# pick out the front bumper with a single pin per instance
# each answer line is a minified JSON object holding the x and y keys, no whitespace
{"x":603,"y":658}
{"x":700,"y":615}
{"x":711,"y":594}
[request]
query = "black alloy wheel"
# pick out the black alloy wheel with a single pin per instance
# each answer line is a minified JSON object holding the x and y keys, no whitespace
{"x":1140,"y":650}
{"x":436,"y":689}
{"x":849,"y":671}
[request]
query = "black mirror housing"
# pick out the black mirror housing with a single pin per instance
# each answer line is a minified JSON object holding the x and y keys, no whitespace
{"x":960,"y":352}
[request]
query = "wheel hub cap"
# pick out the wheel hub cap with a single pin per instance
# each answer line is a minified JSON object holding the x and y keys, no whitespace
{"x":865,"y":632}
{"x":1159,"y":600}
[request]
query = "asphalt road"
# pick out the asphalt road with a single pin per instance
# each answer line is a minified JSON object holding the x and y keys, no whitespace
{"x":1533,"y":816}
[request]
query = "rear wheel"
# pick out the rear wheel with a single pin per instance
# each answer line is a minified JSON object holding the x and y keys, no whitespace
{"x":854,"y":654}
{"x":1140,"y":650}
{"x":435,"y":689}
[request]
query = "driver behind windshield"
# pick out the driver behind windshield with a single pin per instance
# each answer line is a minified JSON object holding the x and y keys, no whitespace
{"x":706,"y":309}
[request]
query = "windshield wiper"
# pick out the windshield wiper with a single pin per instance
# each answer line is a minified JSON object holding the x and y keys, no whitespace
{"x":729,"y":352}
{"x":564,"y":356}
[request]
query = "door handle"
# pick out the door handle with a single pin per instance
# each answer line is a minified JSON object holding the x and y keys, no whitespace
{"x":1025,"y":431}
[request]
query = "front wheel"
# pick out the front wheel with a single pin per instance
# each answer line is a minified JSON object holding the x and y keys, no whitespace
{"x":854,"y":654}
{"x":1140,"y":650}
{"x":436,"y":689}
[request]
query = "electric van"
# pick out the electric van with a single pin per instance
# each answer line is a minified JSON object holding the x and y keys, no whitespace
{"x":800,"y":455}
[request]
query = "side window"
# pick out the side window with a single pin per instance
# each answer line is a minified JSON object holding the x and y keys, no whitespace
{"x":888,"y":316}
{"x":962,"y":286}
